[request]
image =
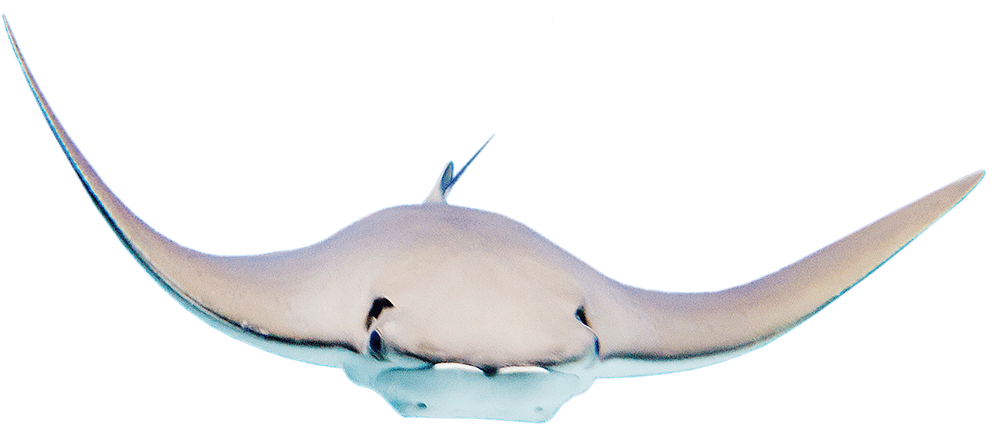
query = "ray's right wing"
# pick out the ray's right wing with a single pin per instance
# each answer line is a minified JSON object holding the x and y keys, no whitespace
{"x":281,"y":302}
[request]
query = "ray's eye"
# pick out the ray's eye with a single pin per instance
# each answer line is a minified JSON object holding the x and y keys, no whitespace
{"x":582,"y":316}
{"x":375,"y":346}
{"x":378,"y":305}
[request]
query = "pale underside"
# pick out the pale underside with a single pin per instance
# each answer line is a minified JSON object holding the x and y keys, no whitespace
{"x":456,"y":312}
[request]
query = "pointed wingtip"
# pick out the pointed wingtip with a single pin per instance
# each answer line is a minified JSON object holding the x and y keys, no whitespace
{"x":965,"y":185}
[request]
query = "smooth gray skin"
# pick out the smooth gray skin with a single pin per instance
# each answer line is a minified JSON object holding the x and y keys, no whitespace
{"x":485,"y":318}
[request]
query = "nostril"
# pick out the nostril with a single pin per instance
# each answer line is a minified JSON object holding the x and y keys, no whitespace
{"x":375,"y":346}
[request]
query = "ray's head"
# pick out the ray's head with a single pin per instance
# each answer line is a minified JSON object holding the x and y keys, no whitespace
{"x":469,"y":286}
{"x":470,"y":313}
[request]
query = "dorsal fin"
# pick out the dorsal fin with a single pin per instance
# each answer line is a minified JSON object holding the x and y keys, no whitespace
{"x":443,"y":185}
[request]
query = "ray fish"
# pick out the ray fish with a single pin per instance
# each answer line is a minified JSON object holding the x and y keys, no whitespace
{"x":448,"y":311}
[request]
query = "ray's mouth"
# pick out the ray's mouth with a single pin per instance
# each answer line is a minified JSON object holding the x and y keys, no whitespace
{"x":458,"y":390}
{"x":489,"y":371}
